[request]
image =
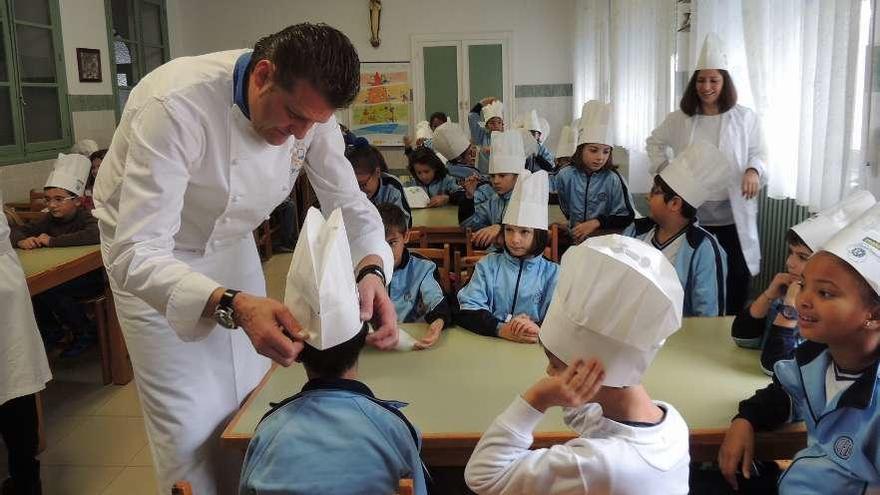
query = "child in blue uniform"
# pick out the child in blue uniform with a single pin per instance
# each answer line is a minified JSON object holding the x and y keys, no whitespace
{"x":672,"y":227}
{"x":372,"y":175}
{"x":831,"y":383}
{"x":431,"y":175}
{"x":490,"y":111}
{"x":334,"y":436}
{"x":415,"y":288}
{"x":538,"y":156}
{"x":769,"y":323}
{"x":509,"y":293}
{"x":592,"y":195}
{"x":505,"y":165}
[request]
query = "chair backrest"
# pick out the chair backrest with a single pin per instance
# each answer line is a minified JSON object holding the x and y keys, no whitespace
{"x":12,"y":217}
{"x":469,"y":249}
{"x":552,"y":251}
{"x":417,"y":238}
{"x":182,"y":488}
{"x":443,"y":259}
{"x":37,"y":200}
{"x":464,"y":268}
{"x":405,"y":487}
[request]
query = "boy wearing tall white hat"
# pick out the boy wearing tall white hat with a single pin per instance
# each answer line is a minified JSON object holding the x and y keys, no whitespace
{"x":672,"y":226}
{"x":451,"y":141}
{"x":424,"y":137}
{"x":566,"y":145}
{"x":506,"y":164}
{"x":538,"y":156}
{"x":591,"y":192}
{"x":334,"y":436}
{"x":831,"y":382}
{"x":486,"y":117}
{"x":627,"y":443}
{"x":769,"y":323}
{"x":510,"y":291}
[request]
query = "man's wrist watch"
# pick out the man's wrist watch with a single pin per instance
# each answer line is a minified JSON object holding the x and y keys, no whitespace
{"x":371,"y":270}
{"x":223,"y":313}
{"x":788,"y":312}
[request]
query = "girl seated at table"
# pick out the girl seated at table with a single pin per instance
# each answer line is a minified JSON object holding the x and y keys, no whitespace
{"x":510,"y":291}
{"x":431,"y":175}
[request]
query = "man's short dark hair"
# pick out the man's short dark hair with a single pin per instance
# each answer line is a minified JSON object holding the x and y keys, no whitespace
{"x":687,"y":211}
{"x":335,"y":361}
{"x":315,"y":53}
{"x":393,"y":218}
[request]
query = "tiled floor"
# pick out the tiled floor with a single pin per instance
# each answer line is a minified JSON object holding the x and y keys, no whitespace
{"x":95,"y":436}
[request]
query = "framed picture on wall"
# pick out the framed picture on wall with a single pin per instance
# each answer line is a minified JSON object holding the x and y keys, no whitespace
{"x":88,"y":60}
{"x":381,"y":110}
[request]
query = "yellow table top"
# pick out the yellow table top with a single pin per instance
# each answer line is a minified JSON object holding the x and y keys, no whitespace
{"x":459,"y":386}
{"x":36,"y":261}
{"x":447,"y":216}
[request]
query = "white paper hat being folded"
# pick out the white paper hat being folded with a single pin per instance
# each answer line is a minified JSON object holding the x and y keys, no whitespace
{"x":507,"y":155}
{"x":697,"y":173}
{"x":71,"y":173}
{"x":529,"y":200}
{"x":530,"y":144}
{"x":544,"y":127}
{"x":713,"y":54}
{"x":567,"y":142}
{"x":441,"y":157}
{"x":321,"y":291}
{"x":450,"y":140}
{"x":531,"y":121}
{"x":859,"y":245}
{"x":423,"y":130}
{"x":84,"y":147}
{"x":494,"y":109}
{"x":595,"y":125}
{"x":617,"y":299}
{"x":816,"y":230}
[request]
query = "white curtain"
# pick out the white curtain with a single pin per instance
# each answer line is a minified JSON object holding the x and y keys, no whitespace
{"x":591,"y":52}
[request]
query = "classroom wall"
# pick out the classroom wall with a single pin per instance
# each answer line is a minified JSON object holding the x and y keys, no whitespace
{"x":83,"y":25}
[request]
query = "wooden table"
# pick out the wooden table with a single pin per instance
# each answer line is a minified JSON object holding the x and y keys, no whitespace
{"x":457,"y":388}
{"x":49,"y":267}
{"x":447,"y":216}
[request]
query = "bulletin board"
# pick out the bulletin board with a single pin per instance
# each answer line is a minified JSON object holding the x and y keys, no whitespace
{"x":382,"y":110}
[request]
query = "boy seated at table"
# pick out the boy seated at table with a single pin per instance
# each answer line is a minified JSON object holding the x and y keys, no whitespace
{"x":831,"y":383}
{"x":372,"y":176}
{"x":598,"y":343}
{"x":506,"y":162}
{"x":415,"y":287}
{"x":334,"y":436}
{"x":770,"y":322}
{"x":672,"y":227}
{"x":66,"y":224}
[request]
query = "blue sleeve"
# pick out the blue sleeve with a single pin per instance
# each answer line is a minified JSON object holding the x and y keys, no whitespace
{"x":433,"y":298}
{"x":707,"y":280}
{"x":477,"y":293}
{"x":630,"y":231}
{"x":483,"y":193}
{"x":545,"y":153}
{"x":449,"y":186}
{"x":621,"y":212}
{"x":478,"y":132}
{"x":549,"y":289}
{"x":561,"y":185}
{"x":748,"y":331}
{"x":398,"y":199}
{"x":482,"y":217}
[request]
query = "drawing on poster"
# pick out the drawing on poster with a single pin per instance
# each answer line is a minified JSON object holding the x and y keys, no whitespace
{"x":381,"y":110}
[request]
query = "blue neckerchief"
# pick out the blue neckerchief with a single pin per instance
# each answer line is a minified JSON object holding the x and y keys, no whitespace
{"x":240,"y":83}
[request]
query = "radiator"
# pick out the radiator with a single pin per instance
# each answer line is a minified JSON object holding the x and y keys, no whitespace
{"x":775,"y":217}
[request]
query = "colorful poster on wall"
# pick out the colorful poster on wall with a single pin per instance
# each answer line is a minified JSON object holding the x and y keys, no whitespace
{"x":381,"y":111}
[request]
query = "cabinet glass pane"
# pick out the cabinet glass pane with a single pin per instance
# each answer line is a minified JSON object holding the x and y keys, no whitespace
{"x":151,"y":24}
{"x":121,"y":14}
{"x":7,"y":134}
{"x":4,"y":73}
{"x":36,"y":55}
{"x":152,"y":58}
{"x":33,"y":11}
{"x":125,"y":57}
{"x":441,"y":81}
{"x":42,"y":116}
{"x":486,"y":72}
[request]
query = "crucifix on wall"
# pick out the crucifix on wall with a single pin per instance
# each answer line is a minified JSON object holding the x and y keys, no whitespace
{"x":375,"y":22}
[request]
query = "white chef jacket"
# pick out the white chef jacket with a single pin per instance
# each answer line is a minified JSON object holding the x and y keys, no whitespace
{"x":742,"y":142}
{"x":607,"y":458}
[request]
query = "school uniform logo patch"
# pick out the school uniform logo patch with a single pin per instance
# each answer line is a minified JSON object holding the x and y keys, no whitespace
{"x":843,"y":447}
{"x":601,"y":197}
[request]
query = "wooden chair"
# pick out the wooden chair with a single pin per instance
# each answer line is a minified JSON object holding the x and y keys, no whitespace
{"x":418,"y":238}
{"x":405,"y":487}
{"x":443,"y":260}
{"x":469,"y":249}
{"x":464,"y":268}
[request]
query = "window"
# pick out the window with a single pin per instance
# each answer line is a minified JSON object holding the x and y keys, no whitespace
{"x":34,"y":117}
{"x":138,"y":33}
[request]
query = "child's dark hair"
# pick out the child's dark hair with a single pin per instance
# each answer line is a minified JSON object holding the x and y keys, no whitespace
{"x":439,"y":116}
{"x":333,"y":362}
{"x":690,"y":102}
{"x":539,"y":241}
{"x":578,"y":160}
{"x":393,"y":217}
{"x":426,"y":156}
{"x":687,"y":210}
{"x":794,"y":240}
{"x":365,"y":158}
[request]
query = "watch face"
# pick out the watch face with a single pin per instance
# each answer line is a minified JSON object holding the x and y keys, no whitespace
{"x":790,"y":312}
{"x":224,"y":318}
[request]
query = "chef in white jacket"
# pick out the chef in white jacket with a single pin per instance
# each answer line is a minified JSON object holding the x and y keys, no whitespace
{"x":207,"y":146}
{"x":708,"y":111}
{"x":24,"y":371}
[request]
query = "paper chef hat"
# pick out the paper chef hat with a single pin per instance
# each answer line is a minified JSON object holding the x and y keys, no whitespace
{"x":85,"y":147}
{"x":507,"y":154}
{"x":423,"y":130}
{"x":713,"y":54}
{"x":567,"y":142}
{"x":321,"y":291}
{"x":595,"y":124}
{"x":697,"y":173}
{"x":528,"y":203}
{"x":617,"y":299}
{"x":450,"y":140}
{"x":494,"y":109}
{"x":71,"y":173}
{"x":531,"y":121}
{"x":859,"y":245}
{"x":530,"y":144}
{"x":544,"y":127}
{"x":816,"y":230}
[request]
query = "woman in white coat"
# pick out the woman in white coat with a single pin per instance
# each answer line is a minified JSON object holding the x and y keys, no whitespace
{"x":708,"y":111}
{"x":24,"y":371}
{"x":207,"y":146}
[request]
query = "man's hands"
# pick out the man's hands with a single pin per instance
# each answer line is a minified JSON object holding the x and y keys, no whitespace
{"x":572,"y":388}
{"x":273,"y":330}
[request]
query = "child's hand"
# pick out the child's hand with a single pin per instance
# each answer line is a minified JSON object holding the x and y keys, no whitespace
{"x":736,"y":451}
{"x":420,"y":142}
{"x":44,"y":240}
{"x":791,"y":294}
{"x":470,"y":185}
{"x":581,"y":231}
{"x":486,"y":236}
{"x":524,"y":325}
{"x":572,"y":388}
{"x":29,"y":243}
{"x":431,"y":337}
{"x":516,"y":331}
{"x":407,"y":141}
{"x":779,"y":284}
{"x":439,"y":200}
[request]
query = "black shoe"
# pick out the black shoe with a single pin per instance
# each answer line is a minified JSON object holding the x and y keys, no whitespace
{"x":10,"y":487}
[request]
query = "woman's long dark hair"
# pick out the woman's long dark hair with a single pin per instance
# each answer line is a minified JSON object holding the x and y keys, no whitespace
{"x":690,"y":102}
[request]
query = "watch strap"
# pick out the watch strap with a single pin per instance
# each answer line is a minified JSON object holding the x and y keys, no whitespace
{"x":371,"y":269}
